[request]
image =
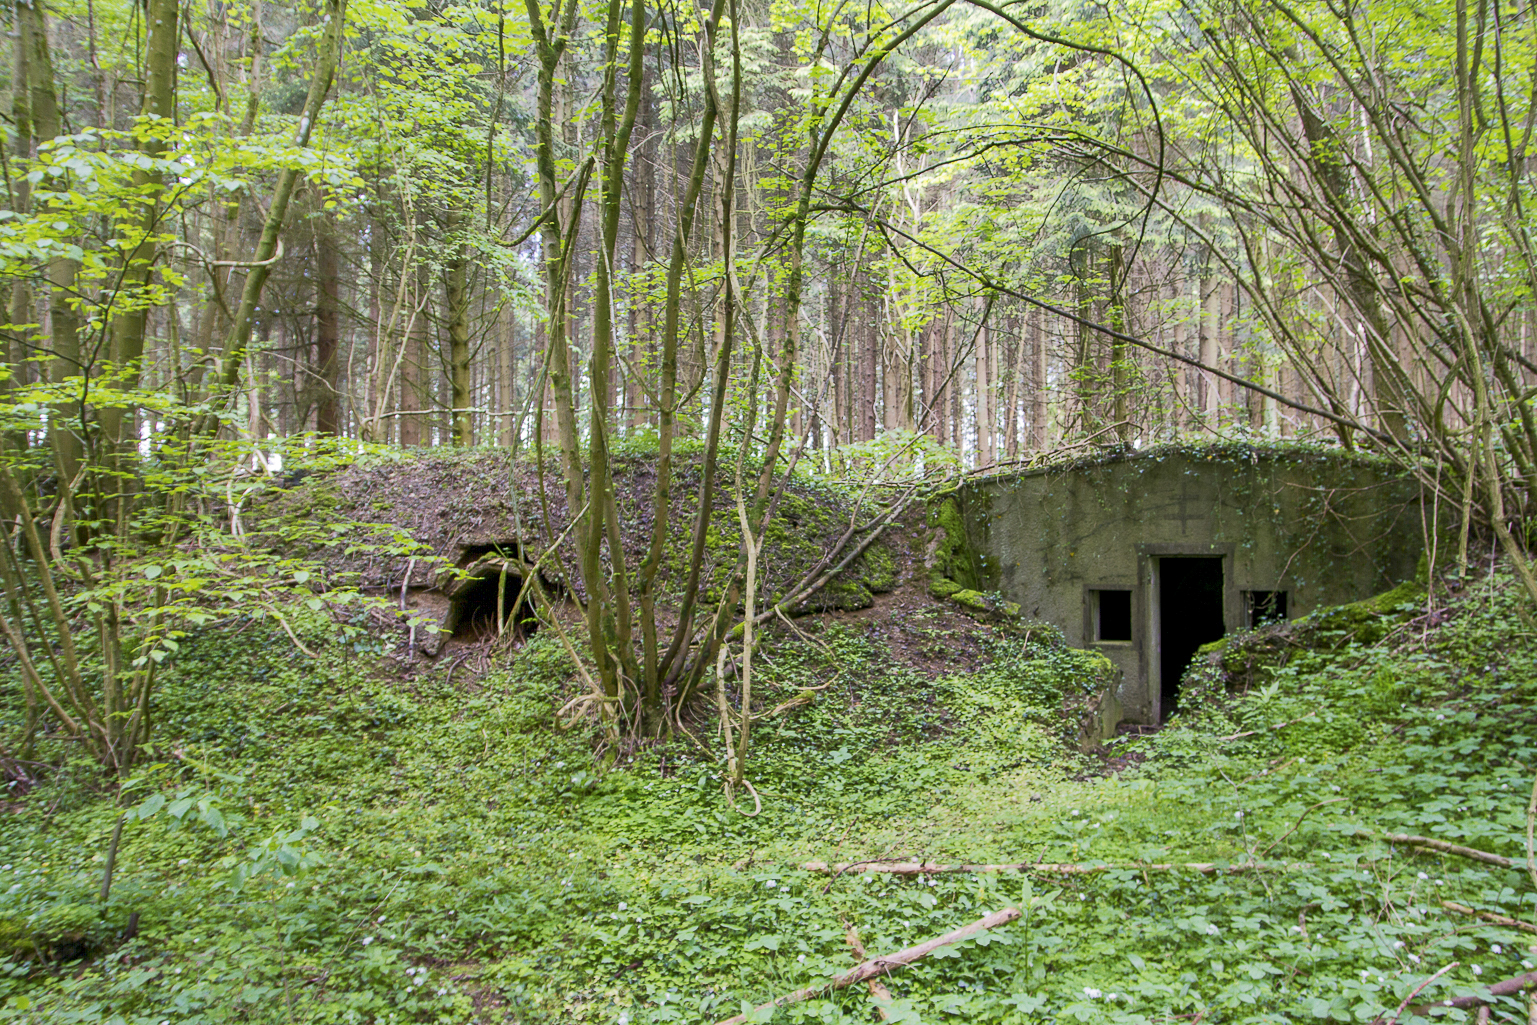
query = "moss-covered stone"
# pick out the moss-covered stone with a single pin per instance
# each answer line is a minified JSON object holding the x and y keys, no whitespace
{"x":1248,"y":659}
{"x":949,"y":558}
{"x":879,"y":567}
{"x":943,"y":587}
{"x":1369,"y":620}
{"x":985,"y":606}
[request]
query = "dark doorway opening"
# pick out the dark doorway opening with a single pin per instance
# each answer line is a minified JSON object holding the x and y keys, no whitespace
{"x":473,"y":615}
{"x":1189,"y":615}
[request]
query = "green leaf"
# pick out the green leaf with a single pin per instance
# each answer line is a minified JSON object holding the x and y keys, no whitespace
{"x":149,"y":807}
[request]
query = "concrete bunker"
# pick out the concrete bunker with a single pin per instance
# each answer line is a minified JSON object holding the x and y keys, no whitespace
{"x":1148,"y":556}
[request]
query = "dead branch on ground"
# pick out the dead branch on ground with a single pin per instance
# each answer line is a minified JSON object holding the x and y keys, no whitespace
{"x":880,"y":965}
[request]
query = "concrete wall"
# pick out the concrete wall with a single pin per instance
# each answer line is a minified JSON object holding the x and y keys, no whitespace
{"x":1324,"y":527}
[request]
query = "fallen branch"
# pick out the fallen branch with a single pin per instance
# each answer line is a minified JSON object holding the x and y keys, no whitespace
{"x":878,"y":988}
{"x":1416,"y":990}
{"x":1503,"y":988}
{"x":1277,"y":726}
{"x":924,"y":868}
{"x":880,"y":965}
{"x":1450,"y":848}
{"x":1489,"y":916}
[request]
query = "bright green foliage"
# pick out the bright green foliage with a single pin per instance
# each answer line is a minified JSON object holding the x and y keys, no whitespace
{"x":475,"y":858}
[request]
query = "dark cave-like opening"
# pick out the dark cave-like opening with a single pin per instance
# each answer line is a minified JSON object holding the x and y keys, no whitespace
{"x":475,"y":609}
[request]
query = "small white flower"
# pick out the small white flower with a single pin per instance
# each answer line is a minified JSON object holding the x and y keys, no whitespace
{"x":1212,"y":930}
{"x":1496,"y":949}
{"x":771,"y":884}
{"x":623,"y":906}
{"x":1334,"y":788}
{"x":801,"y":959}
{"x":1440,"y":717}
{"x":1424,"y":876}
{"x":1398,"y":945}
{"x":1414,"y":959}
{"x":1238,"y":815}
{"x":1477,"y":970}
{"x":442,"y":992}
{"x":1527,"y":965}
{"x":1091,"y":993}
{"x":367,"y":940}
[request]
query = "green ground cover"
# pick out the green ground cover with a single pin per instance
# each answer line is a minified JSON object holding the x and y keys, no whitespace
{"x":432,"y":849}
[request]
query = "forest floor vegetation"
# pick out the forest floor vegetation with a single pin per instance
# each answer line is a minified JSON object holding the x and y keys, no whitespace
{"x":349,"y":838}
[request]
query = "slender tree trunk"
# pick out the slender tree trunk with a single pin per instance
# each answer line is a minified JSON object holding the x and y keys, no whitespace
{"x":1040,"y":409}
{"x":985,"y":385}
{"x":162,"y":35}
{"x":327,"y":330}
{"x":456,"y":306}
{"x":869,"y":360}
{"x":414,"y":370}
{"x":507,"y":381}
{"x":1210,"y":325}
{"x":19,"y":312}
{"x":65,"y":431}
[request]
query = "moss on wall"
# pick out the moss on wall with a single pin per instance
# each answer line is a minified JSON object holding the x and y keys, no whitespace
{"x":949,"y":559}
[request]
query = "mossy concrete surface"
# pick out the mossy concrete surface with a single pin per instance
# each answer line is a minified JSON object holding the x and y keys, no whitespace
{"x":1325,"y":527}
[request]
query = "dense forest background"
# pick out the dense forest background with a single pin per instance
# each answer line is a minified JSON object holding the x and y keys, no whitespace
{"x":1002,"y":228}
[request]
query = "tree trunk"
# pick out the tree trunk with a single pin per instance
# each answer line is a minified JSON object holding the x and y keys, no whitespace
{"x":1040,"y":409}
{"x":162,"y":35}
{"x":327,"y":330}
{"x":65,"y":431}
{"x":985,"y":385}
{"x":1210,"y":324}
{"x":456,"y":303}
{"x":506,"y":378}
{"x":869,"y":360}
{"x":414,"y":370}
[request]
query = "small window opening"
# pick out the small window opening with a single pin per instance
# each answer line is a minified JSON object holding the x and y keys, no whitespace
{"x":1112,"y":615}
{"x":474,"y":613}
{"x":1265,"y":607}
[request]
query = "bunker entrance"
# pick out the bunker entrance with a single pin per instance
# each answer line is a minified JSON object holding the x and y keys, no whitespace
{"x":1189,"y":615}
{"x":473,"y":615}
